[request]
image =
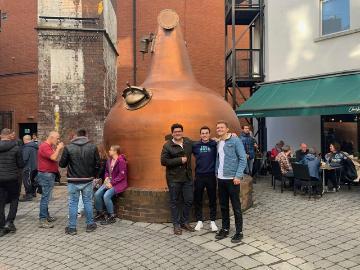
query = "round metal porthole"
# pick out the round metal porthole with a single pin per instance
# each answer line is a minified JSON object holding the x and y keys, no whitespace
{"x":136,"y":97}
{"x":168,"y":19}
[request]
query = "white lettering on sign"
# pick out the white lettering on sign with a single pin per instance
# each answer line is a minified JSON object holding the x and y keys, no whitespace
{"x":354,"y":109}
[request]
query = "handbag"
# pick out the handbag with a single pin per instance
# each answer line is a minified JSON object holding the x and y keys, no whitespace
{"x":97,"y":182}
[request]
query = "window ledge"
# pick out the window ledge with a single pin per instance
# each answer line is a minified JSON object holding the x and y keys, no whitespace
{"x":338,"y":34}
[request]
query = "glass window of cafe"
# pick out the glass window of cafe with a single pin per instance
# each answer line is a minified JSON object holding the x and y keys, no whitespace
{"x":344,"y":129}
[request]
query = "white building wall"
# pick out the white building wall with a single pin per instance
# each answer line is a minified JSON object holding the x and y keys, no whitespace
{"x":294,"y":48}
{"x":293,"y":131}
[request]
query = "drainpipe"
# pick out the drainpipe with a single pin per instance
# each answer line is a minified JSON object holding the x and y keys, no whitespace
{"x":134,"y":41}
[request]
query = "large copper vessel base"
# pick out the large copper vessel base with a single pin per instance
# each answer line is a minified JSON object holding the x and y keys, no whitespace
{"x":149,"y":205}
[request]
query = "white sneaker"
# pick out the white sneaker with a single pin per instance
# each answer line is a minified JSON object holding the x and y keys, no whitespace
{"x":213,"y":226}
{"x":199,"y":226}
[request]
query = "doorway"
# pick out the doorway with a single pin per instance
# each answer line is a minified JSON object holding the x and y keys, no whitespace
{"x":27,"y":129}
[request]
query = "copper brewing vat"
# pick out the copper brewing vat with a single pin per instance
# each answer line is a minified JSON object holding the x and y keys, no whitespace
{"x":174,"y":96}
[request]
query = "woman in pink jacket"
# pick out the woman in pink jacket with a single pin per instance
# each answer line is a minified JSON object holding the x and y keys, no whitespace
{"x":115,"y":182}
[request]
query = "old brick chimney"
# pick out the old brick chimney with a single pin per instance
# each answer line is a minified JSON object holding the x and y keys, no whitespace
{"x":77,"y":65}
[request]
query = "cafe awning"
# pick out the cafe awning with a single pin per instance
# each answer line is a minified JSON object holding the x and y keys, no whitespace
{"x":323,"y":95}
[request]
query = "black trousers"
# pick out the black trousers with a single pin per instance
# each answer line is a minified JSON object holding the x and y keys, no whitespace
{"x":202,"y":182}
{"x":28,"y":181}
{"x":9,"y":192}
{"x":181,"y":199}
{"x":227,"y":190}
{"x":332,"y":176}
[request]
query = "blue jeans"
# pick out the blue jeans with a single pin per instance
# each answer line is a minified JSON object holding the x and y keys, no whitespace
{"x":74,"y":190}
{"x":46,"y":181}
{"x":249,"y":166}
{"x":106,"y":194}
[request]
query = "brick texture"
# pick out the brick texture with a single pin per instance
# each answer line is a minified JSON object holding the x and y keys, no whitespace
{"x":153,"y":205}
{"x":18,"y":44}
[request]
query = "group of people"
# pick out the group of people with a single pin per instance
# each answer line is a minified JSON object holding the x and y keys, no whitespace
{"x":40,"y":164}
{"x":220,"y":164}
{"x":94,"y":177}
{"x":335,"y":159}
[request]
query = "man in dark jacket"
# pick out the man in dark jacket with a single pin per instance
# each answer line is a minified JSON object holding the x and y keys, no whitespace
{"x":205,"y":152}
{"x":249,"y":146}
{"x":10,"y":163}
{"x":176,"y":156}
{"x":29,"y":153}
{"x":82,"y":161}
{"x":302,"y":152}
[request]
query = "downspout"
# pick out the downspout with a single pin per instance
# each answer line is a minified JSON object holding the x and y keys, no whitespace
{"x":134,"y":41}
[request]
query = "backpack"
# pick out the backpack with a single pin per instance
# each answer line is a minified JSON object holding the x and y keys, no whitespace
{"x":349,"y":169}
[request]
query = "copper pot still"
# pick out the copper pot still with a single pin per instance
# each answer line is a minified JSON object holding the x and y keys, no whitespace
{"x":140,"y":120}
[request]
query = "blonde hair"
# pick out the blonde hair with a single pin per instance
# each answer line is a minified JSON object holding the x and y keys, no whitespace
{"x":116,"y":148}
{"x":223,"y":122}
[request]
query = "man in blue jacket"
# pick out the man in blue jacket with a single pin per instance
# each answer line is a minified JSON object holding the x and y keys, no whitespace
{"x":249,"y":146}
{"x":229,"y":169}
{"x":29,"y":153}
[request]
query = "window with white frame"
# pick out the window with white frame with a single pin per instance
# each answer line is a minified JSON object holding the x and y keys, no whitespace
{"x":335,"y":16}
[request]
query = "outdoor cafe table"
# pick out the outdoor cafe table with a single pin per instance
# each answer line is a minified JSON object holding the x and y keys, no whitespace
{"x":327,"y":167}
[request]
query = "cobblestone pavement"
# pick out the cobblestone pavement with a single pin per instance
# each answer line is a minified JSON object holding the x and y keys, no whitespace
{"x":281,"y":232}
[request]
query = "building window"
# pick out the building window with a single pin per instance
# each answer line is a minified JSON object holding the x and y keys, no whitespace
{"x":6,"y":120}
{"x":335,"y":16}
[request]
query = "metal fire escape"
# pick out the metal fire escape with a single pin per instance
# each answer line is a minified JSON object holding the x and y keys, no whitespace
{"x":244,"y":52}
{"x":244,"y":47}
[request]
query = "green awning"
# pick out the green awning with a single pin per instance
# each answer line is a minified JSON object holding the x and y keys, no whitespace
{"x":337,"y":94}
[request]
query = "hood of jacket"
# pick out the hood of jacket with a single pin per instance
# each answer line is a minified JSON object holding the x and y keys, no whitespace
{"x":310,"y":157}
{"x":7,"y":145}
{"x":31,"y":144}
{"x":80,"y":141}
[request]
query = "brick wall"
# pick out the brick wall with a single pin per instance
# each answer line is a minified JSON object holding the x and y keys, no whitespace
{"x":77,"y":68}
{"x":18,"y":45}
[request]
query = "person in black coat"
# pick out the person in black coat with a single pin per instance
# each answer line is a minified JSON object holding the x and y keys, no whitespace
{"x":29,"y":152}
{"x":10,"y":162}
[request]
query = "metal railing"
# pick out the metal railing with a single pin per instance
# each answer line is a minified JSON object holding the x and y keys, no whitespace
{"x":247,"y":64}
{"x":242,"y":4}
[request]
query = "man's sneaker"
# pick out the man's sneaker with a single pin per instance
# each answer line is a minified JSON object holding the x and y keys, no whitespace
{"x":26,"y":198}
{"x":100,"y":216}
{"x":221,"y":234}
{"x":213,"y":226}
{"x":177,"y":230}
{"x":51,"y":219}
{"x":10,"y":227}
{"x":44,"y":224}
{"x":108,"y":220}
{"x":2,"y":232}
{"x":199,"y":226}
{"x":91,"y":227}
{"x":237,"y":237}
{"x":71,"y":231}
{"x":187,"y":227}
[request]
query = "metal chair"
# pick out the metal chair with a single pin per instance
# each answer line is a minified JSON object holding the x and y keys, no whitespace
{"x":303,"y":179}
{"x":277,"y":175}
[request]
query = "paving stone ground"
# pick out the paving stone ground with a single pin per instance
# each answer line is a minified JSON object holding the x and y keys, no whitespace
{"x":281,"y":232}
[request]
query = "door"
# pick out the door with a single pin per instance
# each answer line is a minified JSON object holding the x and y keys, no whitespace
{"x":27,"y":129}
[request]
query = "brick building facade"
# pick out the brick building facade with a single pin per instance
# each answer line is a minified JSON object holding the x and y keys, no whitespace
{"x":18,"y":64}
{"x":23,"y":47}
{"x":77,"y":65}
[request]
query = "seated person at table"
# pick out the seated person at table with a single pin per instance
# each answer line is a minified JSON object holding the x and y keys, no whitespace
{"x":300,"y":154}
{"x":277,"y":149}
{"x":115,"y":182}
{"x":283,"y":159}
{"x":335,"y":160}
{"x":313,"y":163}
